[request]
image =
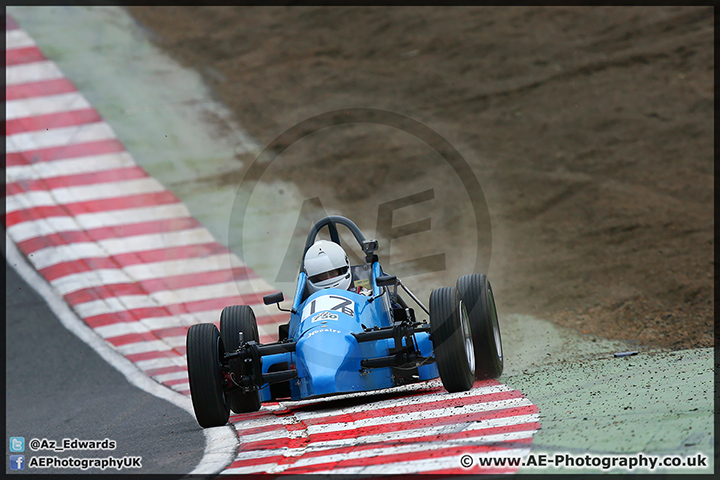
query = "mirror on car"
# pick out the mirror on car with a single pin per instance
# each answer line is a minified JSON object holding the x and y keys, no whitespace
{"x":386,"y":280}
{"x":273,"y":298}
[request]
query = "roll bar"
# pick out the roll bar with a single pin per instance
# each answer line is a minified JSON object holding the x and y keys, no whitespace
{"x":331,"y":221}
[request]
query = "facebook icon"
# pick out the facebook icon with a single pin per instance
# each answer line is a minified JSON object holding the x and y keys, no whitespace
{"x":17,"y":462}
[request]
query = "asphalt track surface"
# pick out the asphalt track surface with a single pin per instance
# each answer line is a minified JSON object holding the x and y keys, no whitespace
{"x":58,"y":387}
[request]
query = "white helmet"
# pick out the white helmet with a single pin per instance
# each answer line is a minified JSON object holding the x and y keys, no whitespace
{"x":327,"y":266}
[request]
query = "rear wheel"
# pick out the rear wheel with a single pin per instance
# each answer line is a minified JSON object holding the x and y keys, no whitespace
{"x":452,"y":339}
{"x":235,"y":319}
{"x":204,"y":351}
{"x":480,"y":302}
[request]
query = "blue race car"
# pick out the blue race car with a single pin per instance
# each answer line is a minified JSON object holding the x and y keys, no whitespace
{"x":341,"y":340}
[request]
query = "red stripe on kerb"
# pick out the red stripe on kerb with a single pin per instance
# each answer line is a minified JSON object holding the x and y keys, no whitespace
{"x":165,"y":370}
{"x":103,"y":233}
{"x":279,"y":427}
{"x":177,"y":381}
{"x":417,"y":407}
{"x":67,"y":151}
{"x":180,"y":331}
{"x":379,"y":445}
{"x":398,"y":457}
{"x":42,"y":88}
{"x":62,"y":269}
{"x":52,"y":120}
{"x":171,"y":253}
{"x":173,"y":309}
{"x":133,"y":315}
{"x":95,"y":206}
{"x":131,"y":338}
{"x":158,"y":284}
{"x":148,"y":336}
{"x":104,"y":291}
{"x":152,"y":355}
{"x":94,"y":178}
{"x":10,"y":23}
{"x":426,"y":422}
{"x":390,"y":428}
{"x":18,"y":56}
{"x":403,"y":409}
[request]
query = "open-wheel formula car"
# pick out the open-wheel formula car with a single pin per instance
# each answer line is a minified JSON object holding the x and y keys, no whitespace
{"x":344,"y":340}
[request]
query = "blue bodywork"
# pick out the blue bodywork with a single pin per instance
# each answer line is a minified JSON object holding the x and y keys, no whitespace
{"x":327,"y":356}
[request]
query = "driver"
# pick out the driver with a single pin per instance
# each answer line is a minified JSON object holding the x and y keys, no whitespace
{"x":327,"y":266}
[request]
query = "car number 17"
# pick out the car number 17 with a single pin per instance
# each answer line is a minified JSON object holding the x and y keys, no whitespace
{"x":329,"y":302}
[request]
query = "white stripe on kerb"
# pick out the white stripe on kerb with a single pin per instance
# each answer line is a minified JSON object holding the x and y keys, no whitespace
{"x":133,"y":273}
{"x":422,"y":465}
{"x":143,"y":347}
{"x":116,"y":246}
{"x":167,"y":377}
{"x":17,"y":38}
{"x":169,"y":268}
{"x":180,"y":320}
{"x":157,"y":323}
{"x":122,"y":328}
{"x":162,"y":362}
{"x":114,"y":305}
{"x":95,"y":278}
{"x":425,"y":447}
{"x":415,"y":416}
{"x":47,"y":257}
{"x":159,"y":298}
{"x":431,"y":463}
{"x":87,"y":221}
{"x":396,"y":402}
{"x":328,"y":414}
{"x":69,"y":166}
{"x":433,"y":431}
{"x":59,"y":137}
{"x":31,"y":107}
{"x":32,"y":72}
{"x":393,"y":402}
{"x":175,"y":342}
{"x":155,"y":241}
{"x":82,"y":193}
{"x":390,"y":419}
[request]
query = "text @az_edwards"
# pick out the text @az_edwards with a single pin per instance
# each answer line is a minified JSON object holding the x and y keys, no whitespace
{"x":69,"y":444}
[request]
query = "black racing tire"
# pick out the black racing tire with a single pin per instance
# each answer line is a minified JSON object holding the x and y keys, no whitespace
{"x":451,"y":335}
{"x":480,"y":303}
{"x":235,"y":319}
{"x":204,"y":351}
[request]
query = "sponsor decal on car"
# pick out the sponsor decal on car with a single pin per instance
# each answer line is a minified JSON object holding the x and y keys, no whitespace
{"x":325,"y":316}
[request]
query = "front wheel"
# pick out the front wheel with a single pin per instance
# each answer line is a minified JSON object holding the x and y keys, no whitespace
{"x":480,"y":302}
{"x":204,"y":351}
{"x":235,"y":319}
{"x":452,"y":339}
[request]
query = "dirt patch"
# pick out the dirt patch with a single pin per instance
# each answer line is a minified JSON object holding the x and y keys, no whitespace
{"x":589,"y":129}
